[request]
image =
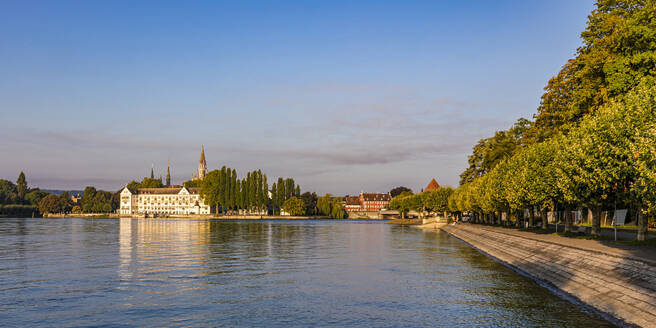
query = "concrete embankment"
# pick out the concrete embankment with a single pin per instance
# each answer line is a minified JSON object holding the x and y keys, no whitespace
{"x":616,"y":281}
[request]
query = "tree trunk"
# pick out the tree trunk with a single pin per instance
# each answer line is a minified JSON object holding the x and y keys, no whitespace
{"x":596,"y":220}
{"x":518,"y":219}
{"x":545,"y":219}
{"x":531,"y":217}
{"x":642,"y":225}
{"x":567,"y":215}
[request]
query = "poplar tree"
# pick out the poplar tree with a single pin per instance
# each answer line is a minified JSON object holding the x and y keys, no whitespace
{"x":274,"y":196}
{"x":21,"y":187}
{"x":281,"y":191}
{"x":234,"y":188}
{"x":243,"y":193}
{"x":265,"y":191}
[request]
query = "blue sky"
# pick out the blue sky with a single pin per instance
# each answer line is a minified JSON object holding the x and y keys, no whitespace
{"x":344,"y":96}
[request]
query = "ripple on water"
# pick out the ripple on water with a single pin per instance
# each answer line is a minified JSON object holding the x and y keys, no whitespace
{"x":173,"y":273}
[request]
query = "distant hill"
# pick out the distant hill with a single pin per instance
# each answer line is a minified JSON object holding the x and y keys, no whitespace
{"x":58,"y":192}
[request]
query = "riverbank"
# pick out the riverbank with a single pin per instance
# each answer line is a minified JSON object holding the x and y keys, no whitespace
{"x":197,"y":216}
{"x":82,"y":215}
{"x":619,"y":281}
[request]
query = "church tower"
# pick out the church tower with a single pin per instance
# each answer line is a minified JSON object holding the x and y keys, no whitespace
{"x":202,"y":165}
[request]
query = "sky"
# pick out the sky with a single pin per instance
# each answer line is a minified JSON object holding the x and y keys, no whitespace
{"x":343,"y":96}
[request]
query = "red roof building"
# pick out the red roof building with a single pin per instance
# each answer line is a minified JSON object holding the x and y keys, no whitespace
{"x":352,"y":203}
{"x":374,"y":202}
{"x":433,"y":185}
{"x":366,"y":202}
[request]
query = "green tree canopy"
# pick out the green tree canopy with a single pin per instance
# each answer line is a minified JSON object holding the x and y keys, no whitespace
{"x":398,"y":190}
{"x":8,"y":193}
{"x":21,"y":187}
{"x":294,"y":206}
{"x":50,"y":204}
{"x":618,"y":52}
{"x":34,"y":196}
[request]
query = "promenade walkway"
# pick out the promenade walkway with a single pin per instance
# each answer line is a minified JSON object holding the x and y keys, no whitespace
{"x":617,"y":280}
{"x":641,"y":253}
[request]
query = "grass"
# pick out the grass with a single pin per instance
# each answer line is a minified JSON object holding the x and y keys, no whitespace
{"x":648,"y":242}
{"x":539,"y":231}
{"x":580,"y":236}
{"x":623,"y":226}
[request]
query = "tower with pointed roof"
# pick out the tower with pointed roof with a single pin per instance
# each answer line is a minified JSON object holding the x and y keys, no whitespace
{"x":202,"y":164}
{"x":432,"y":185}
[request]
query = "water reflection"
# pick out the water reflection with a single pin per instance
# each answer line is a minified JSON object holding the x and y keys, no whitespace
{"x":259,"y":273}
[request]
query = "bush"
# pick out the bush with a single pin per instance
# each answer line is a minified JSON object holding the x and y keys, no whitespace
{"x":19,"y":210}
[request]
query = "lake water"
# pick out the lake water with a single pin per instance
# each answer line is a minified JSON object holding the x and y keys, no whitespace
{"x":172,"y":273}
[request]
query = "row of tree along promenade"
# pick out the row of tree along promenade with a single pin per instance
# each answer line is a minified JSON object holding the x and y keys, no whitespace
{"x":591,"y":146}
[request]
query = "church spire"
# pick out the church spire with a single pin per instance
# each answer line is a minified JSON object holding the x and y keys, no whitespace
{"x":202,"y":156}
{"x":202,"y":164}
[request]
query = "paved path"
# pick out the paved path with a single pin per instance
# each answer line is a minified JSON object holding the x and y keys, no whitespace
{"x":617,"y":280}
{"x":641,"y":253}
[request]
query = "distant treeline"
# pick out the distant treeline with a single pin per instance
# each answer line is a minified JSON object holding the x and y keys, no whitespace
{"x":20,"y":201}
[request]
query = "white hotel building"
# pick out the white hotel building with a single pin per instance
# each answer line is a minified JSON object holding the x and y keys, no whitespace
{"x":168,"y":200}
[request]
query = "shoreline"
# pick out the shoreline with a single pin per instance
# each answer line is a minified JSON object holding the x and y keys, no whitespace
{"x":618,"y":283}
{"x":208,"y":217}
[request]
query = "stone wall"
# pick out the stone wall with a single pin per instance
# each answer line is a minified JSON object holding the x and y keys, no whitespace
{"x":622,"y":287}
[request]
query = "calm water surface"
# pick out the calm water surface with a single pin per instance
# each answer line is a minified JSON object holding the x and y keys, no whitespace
{"x":171,"y":273}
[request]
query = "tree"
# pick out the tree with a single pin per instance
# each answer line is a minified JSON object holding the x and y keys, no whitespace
{"x":265,"y":192}
{"x":401,"y":204}
{"x":310,"y":201}
{"x":210,"y":190}
{"x":168,"y":176}
{"x":50,"y":204}
{"x":324,"y":205}
{"x":98,"y":201}
{"x":65,"y":202}
{"x":151,"y":183}
{"x":88,"y":199}
{"x":21,"y":187}
{"x":274,"y":197}
{"x":437,"y":200}
{"x":281,"y":191}
{"x":617,"y":54}
{"x":487,"y":153}
{"x":337,"y":210}
{"x":8,"y":193}
{"x":294,"y":206}
{"x":398,"y":190}
{"x":640,"y":105}
{"x":34,"y":196}
{"x":289,"y":187}
{"x":192,"y":183}
{"x":595,"y":159}
{"x":538,"y":178}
